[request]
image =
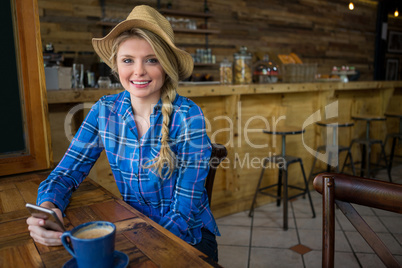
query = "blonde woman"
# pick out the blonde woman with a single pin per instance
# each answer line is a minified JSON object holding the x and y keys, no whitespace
{"x":155,"y":140}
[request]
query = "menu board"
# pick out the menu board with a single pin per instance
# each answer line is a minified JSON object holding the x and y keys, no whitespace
{"x":11,"y":117}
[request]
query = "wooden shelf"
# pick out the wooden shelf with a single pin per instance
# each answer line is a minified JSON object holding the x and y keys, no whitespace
{"x":107,"y":23}
{"x":206,"y":64}
{"x":166,"y":11}
{"x":176,"y":30}
{"x":196,"y":31}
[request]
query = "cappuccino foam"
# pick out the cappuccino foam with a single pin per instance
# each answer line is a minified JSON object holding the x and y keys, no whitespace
{"x":93,"y":232}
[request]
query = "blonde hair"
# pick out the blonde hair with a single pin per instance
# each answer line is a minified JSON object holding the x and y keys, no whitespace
{"x":168,"y":61}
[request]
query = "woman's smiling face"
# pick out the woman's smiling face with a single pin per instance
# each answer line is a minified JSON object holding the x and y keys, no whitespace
{"x":139,"y":70}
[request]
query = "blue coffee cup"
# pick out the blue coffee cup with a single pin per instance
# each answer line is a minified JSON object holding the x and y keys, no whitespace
{"x":91,"y":244}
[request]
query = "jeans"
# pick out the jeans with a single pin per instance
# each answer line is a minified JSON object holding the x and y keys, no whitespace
{"x":208,"y":245}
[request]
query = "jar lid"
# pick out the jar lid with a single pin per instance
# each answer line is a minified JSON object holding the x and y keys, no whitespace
{"x":226,"y":63}
{"x":243,"y":53}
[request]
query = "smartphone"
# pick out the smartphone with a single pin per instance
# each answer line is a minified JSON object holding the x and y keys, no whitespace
{"x":52,"y":221}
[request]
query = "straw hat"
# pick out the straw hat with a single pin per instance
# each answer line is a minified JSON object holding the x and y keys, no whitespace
{"x":145,"y":17}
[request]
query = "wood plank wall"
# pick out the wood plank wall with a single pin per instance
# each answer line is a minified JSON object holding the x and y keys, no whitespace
{"x":325,"y":32}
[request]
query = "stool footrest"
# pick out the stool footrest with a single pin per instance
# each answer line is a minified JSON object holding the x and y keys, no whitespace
{"x":287,"y":159}
{"x":366,"y":142}
{"x":373,"y":166}
{"x":264,"y":192}
{"x":339,"y":148}
{"x":394,"y":135}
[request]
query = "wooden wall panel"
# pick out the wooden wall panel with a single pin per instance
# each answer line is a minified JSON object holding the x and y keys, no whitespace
{"x":324,"y":32}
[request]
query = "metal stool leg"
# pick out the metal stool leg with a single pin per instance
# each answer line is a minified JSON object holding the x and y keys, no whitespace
{"x":337,"y":163}
{"x":313,"y":166}
{"x":329,"y":161}
{"x":391,"y":157}
{"x":285,"y":198}
{"x":307,"y":189}
{"x":352,"y":163}
{"x":368,"y":154}
{"x":251,"y":213}
{"x":364,"y":160}
{"x":279,"y":189}
{"x":349,"y":154}
{"x":386,"y":162}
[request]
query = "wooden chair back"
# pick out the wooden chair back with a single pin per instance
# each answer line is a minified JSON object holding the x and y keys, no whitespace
{"x":342,"y":190}
{"x":219,"y":153}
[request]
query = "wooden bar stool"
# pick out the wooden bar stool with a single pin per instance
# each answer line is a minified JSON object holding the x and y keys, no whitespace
{"x":367,"y":143}
{"x":332,"y":148}
{"x":286,"y":161}
{"x":394,"y":136}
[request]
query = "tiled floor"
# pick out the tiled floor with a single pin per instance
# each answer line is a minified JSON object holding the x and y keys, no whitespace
{"x":261,"y":242}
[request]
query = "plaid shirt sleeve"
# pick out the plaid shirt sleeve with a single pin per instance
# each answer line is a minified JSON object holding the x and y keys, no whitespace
{"x":81,"y":155}
{"x":193,"y":154}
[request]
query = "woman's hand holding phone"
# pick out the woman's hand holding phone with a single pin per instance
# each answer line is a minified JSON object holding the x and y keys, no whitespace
{"x":46,"y":227}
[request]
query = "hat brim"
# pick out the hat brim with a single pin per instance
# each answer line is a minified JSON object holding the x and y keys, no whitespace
{"x":103,"y":46}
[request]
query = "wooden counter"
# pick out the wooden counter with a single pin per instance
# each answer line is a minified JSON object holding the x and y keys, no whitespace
{"x":93,"y":94}
{"x":236,"y":115}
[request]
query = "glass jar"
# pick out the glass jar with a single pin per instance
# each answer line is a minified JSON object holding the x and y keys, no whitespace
{"x":226,"y":72}
{"x":265,"y":71}
{"x":242,"y":67}
{"x":104,"y":82}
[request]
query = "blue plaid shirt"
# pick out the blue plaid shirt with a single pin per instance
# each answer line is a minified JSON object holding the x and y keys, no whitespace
{"x":179,"y":203}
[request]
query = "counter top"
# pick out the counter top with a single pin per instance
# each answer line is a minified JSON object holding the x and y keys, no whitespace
{"x":93,"y":94}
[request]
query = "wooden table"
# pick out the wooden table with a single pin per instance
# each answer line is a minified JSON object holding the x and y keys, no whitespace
{"x":145,"y":242}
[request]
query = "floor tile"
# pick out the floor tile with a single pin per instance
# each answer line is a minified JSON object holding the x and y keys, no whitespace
{"x":234,"y":235}
{"x":384,"y":213}
{"x":311,"y":223}
{"x":274,"y":237}
{"x":398,"y":237}
{"x":363,"y":210}
{"x":302,"y":207}
{"x":313,"y":239}
{"x":370,"y":260}
{"x":275,"y":258}
{"x":312,"y":259}
{"x":237,"y":219}
{"x":343,"y":222}
{"x":345,"y":259}
{"x":271,"y":215}
{"x":393,"y":224}
{"x":360,"y":245}
{"x":233,"y":256}
{"x":273,"y":219}
{"x":301,"y":249}
{"x":374,"y":222}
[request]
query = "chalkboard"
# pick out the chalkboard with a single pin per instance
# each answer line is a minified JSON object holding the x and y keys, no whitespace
{"x":11,"y":117}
